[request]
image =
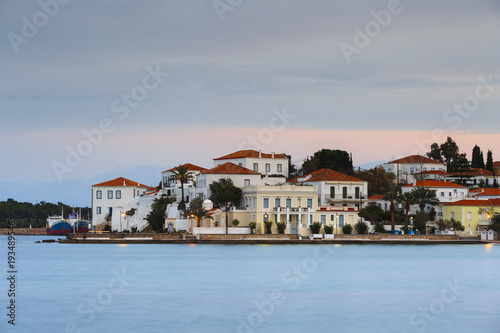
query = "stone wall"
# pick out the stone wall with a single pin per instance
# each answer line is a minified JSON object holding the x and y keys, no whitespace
{"x":254,"y":236}
{"x":397,"y":237}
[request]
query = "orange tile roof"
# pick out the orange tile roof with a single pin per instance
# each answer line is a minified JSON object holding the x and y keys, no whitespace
{"x":326,"y":175}
{"x":121,"y":181}
{"x":435,"y":183}
{"x":488,"y":192}
{"x":414,"y":159}
{"x":433,"y":172}
{"x":249,"y":153}
{"x":473,"y":172}
{"x":376,"y":197}
{"x":191,"y":167}
{"x":496,"y":164}
{"x":230,"y":168}
{"x":472,"y":202}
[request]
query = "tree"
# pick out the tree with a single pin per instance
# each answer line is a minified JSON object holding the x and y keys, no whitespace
{"x":423,"y":196}
{"x":379,"y":181}
{"x":199,"y":214}
{"x":338,"y":160}
{"x":181,"y":173}
{"x":156,"y":217}
{"x":477,"y":160}
{"x":196,"y":203}
{"x":489,"y":161}
{"x":391,"y":196}
{"x":449,"y":151}
{"x":420,"y":221}
{"x":495,"y":224}
{"x":435,"y":153}
{"x":361,"y":228}
{"x":407,"y":199}
{"x":225,"y":189}
{"x":374,"y":213}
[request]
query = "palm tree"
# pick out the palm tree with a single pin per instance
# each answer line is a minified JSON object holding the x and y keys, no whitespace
{"x":182,"y":174}
{"x":407,"y":199}
{"x":423,"y":196}
{"x":199,"y":214}
{"x":391,"y":196}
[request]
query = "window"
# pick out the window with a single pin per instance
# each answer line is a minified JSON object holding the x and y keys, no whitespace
{"x":323,"y":219}
{"x":332,"y":218}
{"x":424,"y":169}
{"x":442,"y":194}
{"x":98,"y":194}
{"x":256,"y":167}
{"x":310,"y":203}
{"x":265,"y":203}
{"x":98,"y":210}
{"x":240,"y":164}
{"x":341,"y":221}
{"x":268,"y":167}
{"x":344,"y":192}
{"x":277,"y":202}
{"x":389,"y":170}
{"x":280,"y":168}
{"x":110,"y":194}
{"x":356,"y":192}
{"x":118,"y":194}
{"x":469,"y":216}
{"x":453,"y":215}
{"x":289,"y":202}
{"x":412,"y":170}
{"x":332,"y":192}
{"x":247,"y":182}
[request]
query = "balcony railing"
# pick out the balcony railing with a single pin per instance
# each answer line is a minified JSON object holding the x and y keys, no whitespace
{"x":341,"y":197}
{"x":292,"y":209}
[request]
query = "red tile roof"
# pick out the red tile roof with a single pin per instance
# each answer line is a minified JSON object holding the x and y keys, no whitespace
{"x":376,"y":197}
{"x":488,"y":192}
{"x":230,"y":168}
{"x":435,"y":183}
{"x":191,"y":167}
{"x":473,"y":172}
{"x":496,"y":164}
{"x":472,"y":202}
{"x":414,"y":159}
{"x":326,"y":175}
{"x":433,"y":172}
{"x":121,"y":181}
{"x":249,"y":153}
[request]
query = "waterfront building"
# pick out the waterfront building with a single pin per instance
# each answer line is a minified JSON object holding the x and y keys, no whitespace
{"x":172,"y":186}
{"x":335,"y":188}
{"x":113,"y":193}
{"x":474,"y":214}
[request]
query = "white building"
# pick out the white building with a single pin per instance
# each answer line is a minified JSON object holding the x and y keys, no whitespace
{"x":172,"y":186}
{"x":335,"y":188}
{"x":446,"y":192}
{"x":406,"y":168}
{"x":474,"y":177}
{"x":266,"y":164}
{"x":116,"y":192}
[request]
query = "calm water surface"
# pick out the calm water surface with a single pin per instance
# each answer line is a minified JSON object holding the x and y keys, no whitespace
{"x":244,"y":288}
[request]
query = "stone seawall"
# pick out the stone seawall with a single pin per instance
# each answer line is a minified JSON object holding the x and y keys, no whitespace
{"x":254,"y":236}
{"x":396,"y":237}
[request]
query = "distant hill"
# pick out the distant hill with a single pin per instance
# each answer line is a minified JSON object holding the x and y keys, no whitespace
{"x":371,"y":165}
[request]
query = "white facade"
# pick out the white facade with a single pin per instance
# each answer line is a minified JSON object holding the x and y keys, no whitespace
{"x":113,"y":193}
{"x":266,"y":164}
{"x":409,"y":169}
{"x":172,"y":186}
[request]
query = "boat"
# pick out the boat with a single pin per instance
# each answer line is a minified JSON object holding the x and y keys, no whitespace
{"x":57,"y":225}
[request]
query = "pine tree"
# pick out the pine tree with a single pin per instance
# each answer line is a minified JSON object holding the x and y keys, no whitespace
{"x":477,"y":158}
{"x":489,"y":161}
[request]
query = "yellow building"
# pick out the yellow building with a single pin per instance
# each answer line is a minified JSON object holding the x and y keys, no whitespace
{"x":473,"y":214}
{"x":295,"y":205}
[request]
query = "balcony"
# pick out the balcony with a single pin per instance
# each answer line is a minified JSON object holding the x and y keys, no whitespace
{"x":292,"y":210}
{"x":484,"y":222}
{"x":341,"y":197}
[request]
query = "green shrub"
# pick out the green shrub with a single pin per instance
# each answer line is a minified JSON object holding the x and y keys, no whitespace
{"x":252,"y":226}
{"x":315,"y":227}
{"x":235,"y":222}
{"x":361,"y":227}
{"x":379,"y":227}
{"x":328,"y":229}
{"x":268,"y":225}
{"x":281,"y":227}
{"x":347,"y":229}
{"x":107,"y":227}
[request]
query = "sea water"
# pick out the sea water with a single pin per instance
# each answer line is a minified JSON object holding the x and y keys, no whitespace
{"x":251,"y":288}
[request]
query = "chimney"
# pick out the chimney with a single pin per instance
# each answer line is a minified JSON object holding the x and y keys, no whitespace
{"x":260,"y":153}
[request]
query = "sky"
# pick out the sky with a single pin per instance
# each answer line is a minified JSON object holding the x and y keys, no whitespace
{"x":93,"y":90}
